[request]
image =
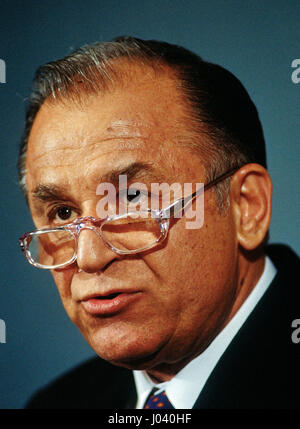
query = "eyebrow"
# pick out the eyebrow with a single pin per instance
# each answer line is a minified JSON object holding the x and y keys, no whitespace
{"x":50,"y":192}
{"x":133,"y":171}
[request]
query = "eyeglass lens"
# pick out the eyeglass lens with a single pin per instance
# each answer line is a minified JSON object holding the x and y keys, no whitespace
{"x":125,"y":234}
{"x":51,"y":248}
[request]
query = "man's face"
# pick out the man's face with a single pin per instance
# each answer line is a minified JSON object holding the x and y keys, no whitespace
{"x":174,"y":299}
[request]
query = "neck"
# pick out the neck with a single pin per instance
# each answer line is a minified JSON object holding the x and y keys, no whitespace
{"x":251,"y":267}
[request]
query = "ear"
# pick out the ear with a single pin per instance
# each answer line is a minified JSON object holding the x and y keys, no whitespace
{"x":251,"y":196}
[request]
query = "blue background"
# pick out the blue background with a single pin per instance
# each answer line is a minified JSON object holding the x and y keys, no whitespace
{"x":256,"y":40}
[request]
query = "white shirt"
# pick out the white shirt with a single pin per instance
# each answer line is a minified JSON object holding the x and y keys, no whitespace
{"x":185,"y":387}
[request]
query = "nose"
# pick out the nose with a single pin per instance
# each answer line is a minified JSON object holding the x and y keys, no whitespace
{"x":92,"y":254}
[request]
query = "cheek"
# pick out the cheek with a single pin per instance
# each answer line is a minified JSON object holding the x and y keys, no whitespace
{"x":196,"y":269}
{"x":63,"y":279}
{"x":204,"y":257}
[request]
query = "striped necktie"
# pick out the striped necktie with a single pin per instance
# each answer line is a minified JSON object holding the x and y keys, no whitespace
{"x":158,"y":401}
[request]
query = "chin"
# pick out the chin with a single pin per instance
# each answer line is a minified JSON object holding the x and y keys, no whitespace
{"x":129,"y":351}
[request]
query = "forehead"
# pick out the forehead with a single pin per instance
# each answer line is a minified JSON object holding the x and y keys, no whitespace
{"x":145,"y":117}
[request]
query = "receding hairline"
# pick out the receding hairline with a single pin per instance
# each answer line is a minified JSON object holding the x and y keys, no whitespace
{"x":115,"y":73}
{"x":126,"y":69}
{"x":123,"y":71}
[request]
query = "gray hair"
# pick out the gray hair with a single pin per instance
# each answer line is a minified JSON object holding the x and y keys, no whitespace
{"x":220,"y":105}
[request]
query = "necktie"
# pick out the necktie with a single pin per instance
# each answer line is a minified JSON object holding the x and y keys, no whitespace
{"x":158,"y":401}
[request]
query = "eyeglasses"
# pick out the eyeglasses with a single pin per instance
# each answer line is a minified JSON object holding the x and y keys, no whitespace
{"x":124,"y":234}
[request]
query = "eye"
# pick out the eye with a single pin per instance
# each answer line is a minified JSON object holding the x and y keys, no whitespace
{"x":132,"y":199}
{"x":62,"y":214}
{"x":134,"y":196}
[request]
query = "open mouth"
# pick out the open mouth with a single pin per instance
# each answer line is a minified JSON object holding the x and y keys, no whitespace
{"x":110,"y":296}
{"x":109,"y":304}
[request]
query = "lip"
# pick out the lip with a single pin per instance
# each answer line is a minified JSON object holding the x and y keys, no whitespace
{"x":98,"y":304}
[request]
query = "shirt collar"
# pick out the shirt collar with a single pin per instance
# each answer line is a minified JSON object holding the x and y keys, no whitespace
{"x":185,"y":387}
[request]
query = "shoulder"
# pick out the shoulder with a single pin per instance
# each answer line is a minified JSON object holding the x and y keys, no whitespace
{"x":283,"y":257}
{"x":285,"y":286}
{"x":259,"y":367}
{"x":93,"y":384}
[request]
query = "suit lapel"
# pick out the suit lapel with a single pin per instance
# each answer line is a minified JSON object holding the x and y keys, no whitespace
{"x":256,"y":370}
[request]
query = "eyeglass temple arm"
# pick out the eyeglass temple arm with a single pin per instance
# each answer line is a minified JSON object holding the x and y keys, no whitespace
{"x":182,"y":202}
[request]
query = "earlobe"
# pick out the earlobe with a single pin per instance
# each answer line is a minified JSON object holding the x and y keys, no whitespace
{"x":251,"y":193}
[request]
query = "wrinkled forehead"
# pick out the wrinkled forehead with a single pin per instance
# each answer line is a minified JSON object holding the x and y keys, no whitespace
{"x":149,"y":111}
{"x":146,"y":116}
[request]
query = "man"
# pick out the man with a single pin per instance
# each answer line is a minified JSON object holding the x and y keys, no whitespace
{"x":204,"y":314}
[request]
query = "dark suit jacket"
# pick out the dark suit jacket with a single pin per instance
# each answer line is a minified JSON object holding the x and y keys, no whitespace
{"x":259,"y":369}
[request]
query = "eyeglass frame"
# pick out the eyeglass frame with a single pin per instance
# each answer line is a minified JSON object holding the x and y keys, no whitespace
{"x":77,"y":225}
